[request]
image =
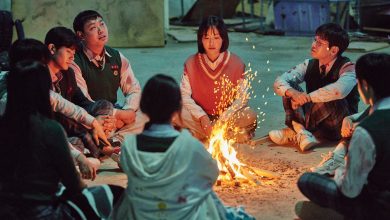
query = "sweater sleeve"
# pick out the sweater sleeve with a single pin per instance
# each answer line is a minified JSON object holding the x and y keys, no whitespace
{"x":188,"y":101}
{"x":61,"y":105}
{"x":129,"y":85}
{"x":296,"y":76}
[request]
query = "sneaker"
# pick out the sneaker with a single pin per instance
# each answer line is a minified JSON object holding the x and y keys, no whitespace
{"x":330,"y":162}
{"x":282,"y":136}
{"x":116,"y":157}
{"x":306,"y":140}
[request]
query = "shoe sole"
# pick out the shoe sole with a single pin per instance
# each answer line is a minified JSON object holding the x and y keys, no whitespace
{"x":331,"y":173}
{"x":309,"y":146}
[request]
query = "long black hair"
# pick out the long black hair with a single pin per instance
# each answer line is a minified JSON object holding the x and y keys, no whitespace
{"x":28,"y":49}
{"x":160,"y":98}
{"x":28,"y":85}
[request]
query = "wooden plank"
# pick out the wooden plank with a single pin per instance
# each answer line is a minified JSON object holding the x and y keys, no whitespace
{"x":363,"y":47}
{"x":183,"y":35}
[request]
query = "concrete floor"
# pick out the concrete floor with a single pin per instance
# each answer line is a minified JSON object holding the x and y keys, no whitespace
{"x":270,"y":56}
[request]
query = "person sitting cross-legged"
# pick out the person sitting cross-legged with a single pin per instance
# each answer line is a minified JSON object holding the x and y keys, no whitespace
{"x":361,"y":188}
{"x":331,"y":92}
{"x":214,"y":87}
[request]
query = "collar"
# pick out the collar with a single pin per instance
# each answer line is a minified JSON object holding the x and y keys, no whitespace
{"x":382,"y":104}
{"x":328,"y":65}
{"x":211,"y":64}
{"x":59,"y":76}
{"x":213,"y":74}
{"x":91,"y":56}
{"x":161,"y":130}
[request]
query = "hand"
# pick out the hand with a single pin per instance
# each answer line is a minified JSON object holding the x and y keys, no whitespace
{"x":98,"y":133}
{"x":119,"y":124}
{"x":107,"y":121}
{"x":300,"y":98}
{"x":206,"y":125}
{"x":87,"y":169}
{"x":126,"y":116}
{"x":294,"y":105}
{"x":347,"y":127}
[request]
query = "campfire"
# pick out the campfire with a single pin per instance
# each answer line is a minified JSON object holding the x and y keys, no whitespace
{"x":221,"y":144}
{"x":232,"y":170}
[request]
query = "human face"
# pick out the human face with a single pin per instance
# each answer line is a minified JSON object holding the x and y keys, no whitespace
{"x":95,"y":33}
{"x":212,"y":43}
{"x":63,"y":57}
{"x":320,"y":49}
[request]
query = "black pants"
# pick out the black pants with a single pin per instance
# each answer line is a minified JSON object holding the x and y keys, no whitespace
{"x":323,"y":191}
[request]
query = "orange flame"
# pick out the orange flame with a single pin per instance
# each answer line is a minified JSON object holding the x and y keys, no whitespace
{"x":221,"y":149}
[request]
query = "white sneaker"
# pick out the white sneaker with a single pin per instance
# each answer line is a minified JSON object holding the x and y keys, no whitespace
{"x":282,"y":136}
{"x":330,"y":162}
{"x":306,"y":140}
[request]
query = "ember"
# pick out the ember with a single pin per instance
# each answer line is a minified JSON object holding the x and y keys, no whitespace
{"x":232,"y":170}
{"x":224,"y":134}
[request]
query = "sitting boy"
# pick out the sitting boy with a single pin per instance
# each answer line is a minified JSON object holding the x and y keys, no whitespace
{"x":330,"y":95}
{"x":361,"y":189}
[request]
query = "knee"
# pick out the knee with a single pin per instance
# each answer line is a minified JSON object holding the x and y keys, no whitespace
{"x":102,"y":107}
{"x":303,"y":182}
{"x":250,"y":116}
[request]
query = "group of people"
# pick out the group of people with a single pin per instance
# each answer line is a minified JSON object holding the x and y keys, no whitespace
{"x":59,"y":108}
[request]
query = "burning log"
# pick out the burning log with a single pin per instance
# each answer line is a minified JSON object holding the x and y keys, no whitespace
{"x":265,"y":173}
{"x":227,"y":166}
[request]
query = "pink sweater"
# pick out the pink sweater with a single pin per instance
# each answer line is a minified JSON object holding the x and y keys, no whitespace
{"x":206,"y":83}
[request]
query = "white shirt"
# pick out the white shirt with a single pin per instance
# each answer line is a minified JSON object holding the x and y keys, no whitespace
{"x":334,"y":91}
{"x":360,"y":159}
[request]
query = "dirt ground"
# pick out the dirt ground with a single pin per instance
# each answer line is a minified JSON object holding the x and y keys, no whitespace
{"x":274,"y":198}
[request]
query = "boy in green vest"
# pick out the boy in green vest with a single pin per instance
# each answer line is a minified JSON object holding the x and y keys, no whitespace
{"x":100,"y":70}
{"x":330,"y":94}
{"x":361,"y":188}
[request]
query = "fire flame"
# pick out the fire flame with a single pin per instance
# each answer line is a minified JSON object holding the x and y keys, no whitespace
{"x":226,"y":156}
{"x":222,"y":137}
